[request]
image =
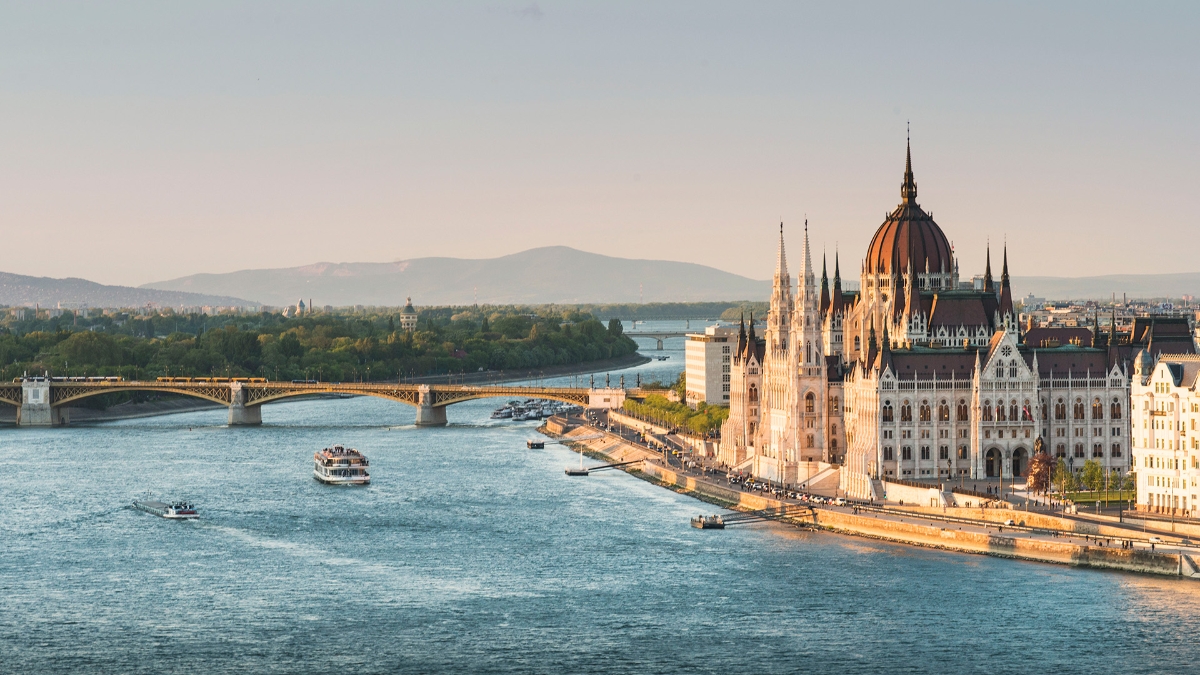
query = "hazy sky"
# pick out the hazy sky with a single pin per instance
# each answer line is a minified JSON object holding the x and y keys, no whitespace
{"x":146,"y":141}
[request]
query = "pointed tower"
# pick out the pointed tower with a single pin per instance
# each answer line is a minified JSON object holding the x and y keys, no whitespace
{"x":908,"y":190}
{"x":1008,"y":314}
{"x":807,"y":325}
{"x":837,"y":301}
{"x":987,"y":272}
{"x":824,"y":288}
{"x":779,"y":318}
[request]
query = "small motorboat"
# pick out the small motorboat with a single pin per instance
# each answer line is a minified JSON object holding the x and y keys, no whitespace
{"x":708,"y":523}
{"x":535,"y":445}
{"x":172,"y":511}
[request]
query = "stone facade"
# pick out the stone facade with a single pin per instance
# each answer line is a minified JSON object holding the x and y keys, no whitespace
{"x":917,"y":376}
{"x":1166,"y":447}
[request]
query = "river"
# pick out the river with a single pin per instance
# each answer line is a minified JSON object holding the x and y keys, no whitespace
{"x":470,"y":553}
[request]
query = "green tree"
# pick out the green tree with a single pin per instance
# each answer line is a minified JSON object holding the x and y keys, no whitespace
{"x":1064,"y":479}
{"x":615,"y":329}
{"x":1093,"y":475}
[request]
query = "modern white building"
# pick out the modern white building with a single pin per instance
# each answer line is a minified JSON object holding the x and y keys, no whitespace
{"x":1166,"y":447}
{"x":706,"y":365}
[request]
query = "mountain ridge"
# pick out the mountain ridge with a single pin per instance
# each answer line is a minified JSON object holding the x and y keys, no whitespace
{"x":560,"y":274}
{"x":20,"y":290}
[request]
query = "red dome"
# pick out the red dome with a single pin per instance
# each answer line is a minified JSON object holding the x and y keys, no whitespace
{"x":909,"y":234}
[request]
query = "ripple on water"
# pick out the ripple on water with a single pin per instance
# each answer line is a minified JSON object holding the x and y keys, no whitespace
{"x":470,"y":553}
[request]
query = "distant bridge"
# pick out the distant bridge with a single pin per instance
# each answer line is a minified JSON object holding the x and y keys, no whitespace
{"x":44,"y":402}
{"x":658,"y":335}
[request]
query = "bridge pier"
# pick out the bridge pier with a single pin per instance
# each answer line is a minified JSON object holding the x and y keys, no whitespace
{"x":429,"y":415}
{"x":660,"y":343}
{"x":35,"y":410}
{"x":241,"y":414}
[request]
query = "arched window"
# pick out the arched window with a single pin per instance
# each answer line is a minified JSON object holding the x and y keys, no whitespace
{"x":962,"y":452}
{"x":753,"y":393}
{"x":1013,"y":411}
{"x":1097,"y":409}
{"x":810,"y":402}
{"x":1079,"y":449}
{"x":1012,"y":368}
{"x":906,"y":412}
{"x":1098,"y":450}
{"x":943,"y":412}
{"x":1000,"y":416}
{"x":987,"y":411}
{"x":963,"y":412}
{"x":1060,"y":450}
{"x":1079,"y":412}
{"x":857,"y":343}
{"x":1060,"y":410}
{"x":1045,"y":410}
{"x":906,"y":452}
{"x":808,"y":441}
{"x":834,"y":405}
{"x":924,"y":452}
{"x":887,"y":453}
{"x":1026,"y":412}
{"x":808,"y":352}
{"x":1115,"y":411}
{"x":999,"y":371}
{"x":1116,"y":450}
{"x":887,"y":411}
{"x":833,"y":445}
{"x":926,"y":414}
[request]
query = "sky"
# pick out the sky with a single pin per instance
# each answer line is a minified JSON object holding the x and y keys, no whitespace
{"x":143,"y":141}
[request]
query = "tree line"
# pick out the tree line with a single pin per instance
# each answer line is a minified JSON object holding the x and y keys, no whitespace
{"x":331,"y":347}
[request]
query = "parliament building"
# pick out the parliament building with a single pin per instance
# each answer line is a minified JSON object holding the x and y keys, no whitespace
{"x":917,"y":375}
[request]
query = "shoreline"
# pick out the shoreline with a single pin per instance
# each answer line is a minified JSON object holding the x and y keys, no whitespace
{"x":1045,"y":540}
{"x":172,"y":406}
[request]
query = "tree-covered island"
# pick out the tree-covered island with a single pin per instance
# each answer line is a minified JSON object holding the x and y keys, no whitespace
{"x":336,"y":346}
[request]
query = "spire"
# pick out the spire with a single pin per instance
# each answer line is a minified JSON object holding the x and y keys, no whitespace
{"x":885,"y":351}
{"x":741,"y":343}
{"x":824,"y":287}
{"x":987,"y":273}
{"x":837,"y":301}
{"x":908,"y":191}
{"x":781,"y":269}
{"x":750,"y":339}
{"x":1006,"y":301}
{"x":805,"y":277}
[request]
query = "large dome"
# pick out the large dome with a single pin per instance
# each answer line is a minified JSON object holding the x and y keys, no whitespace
{"x":909,"y":235}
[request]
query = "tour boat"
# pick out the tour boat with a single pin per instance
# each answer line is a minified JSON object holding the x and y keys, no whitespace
{"x":502,"y":413}
{"x":341,"y":466}
{"x":535,"y":445}
{"x":172,"y":511}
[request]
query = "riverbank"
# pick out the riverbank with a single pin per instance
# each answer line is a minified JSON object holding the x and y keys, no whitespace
{"x":976,"y":531}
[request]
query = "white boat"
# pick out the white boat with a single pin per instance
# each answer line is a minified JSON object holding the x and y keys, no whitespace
{"x":341,"y":466}
{"x":172,"y":511}
{"x":502,"y":413}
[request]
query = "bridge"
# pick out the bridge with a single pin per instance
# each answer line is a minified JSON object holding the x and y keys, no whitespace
{"x":659,"y":335}
{"x":45,"y":402}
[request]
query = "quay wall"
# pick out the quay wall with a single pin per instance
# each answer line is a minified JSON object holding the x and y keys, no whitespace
{"x":916,"y":533}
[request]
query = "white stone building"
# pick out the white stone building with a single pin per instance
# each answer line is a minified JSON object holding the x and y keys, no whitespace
{"x":918,"y":377}
{"x":1166,"y":447}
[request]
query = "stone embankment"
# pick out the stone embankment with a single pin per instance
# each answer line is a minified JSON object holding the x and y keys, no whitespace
{"x":965,"y":530}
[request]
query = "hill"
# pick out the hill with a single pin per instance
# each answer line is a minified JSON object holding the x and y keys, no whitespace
{"x":553,"y":274}
{"x":18,"y":289}
{"x":1103,"y":287}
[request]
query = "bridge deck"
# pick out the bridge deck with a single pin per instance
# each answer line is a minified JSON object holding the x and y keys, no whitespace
{"x":257,"y":393}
